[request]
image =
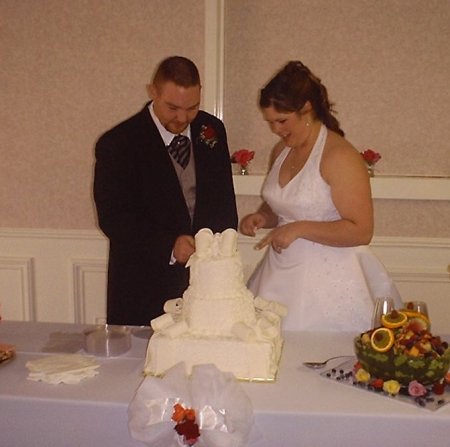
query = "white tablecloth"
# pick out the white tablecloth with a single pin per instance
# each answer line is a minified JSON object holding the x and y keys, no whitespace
{"x":300,"y":409}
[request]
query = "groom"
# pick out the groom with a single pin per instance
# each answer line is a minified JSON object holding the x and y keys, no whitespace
{"x":153,"y":193}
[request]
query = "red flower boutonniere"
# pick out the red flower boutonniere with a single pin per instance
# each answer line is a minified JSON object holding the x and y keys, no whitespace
{"x":186,"y":425}
{"x":208,"y":136}
{"x":370,"y":157}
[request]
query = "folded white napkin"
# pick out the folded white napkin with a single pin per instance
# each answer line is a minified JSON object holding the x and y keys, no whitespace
{"x":64,"y":368}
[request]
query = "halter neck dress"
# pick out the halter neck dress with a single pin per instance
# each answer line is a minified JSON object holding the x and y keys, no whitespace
{"x":325,"y":288}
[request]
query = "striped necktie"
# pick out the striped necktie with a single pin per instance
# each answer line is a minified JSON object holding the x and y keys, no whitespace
{"x":180,"y":149}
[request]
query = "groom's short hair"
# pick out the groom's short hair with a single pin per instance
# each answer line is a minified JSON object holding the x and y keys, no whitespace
{"x":178,"y":69}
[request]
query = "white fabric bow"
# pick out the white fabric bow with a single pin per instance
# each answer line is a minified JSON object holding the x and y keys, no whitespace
{"x":223,"y":411}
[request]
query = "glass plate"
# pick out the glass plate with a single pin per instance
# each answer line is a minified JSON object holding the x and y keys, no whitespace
{"x":142,"y":332}
{"x":343,"y":374}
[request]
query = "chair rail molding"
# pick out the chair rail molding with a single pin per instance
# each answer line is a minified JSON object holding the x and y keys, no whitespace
{"x":60,"y":275}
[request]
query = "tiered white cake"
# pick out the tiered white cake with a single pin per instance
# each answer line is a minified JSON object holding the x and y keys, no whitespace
{"x":218,"y":320}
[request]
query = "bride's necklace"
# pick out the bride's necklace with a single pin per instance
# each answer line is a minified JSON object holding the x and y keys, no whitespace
{"x":295,"y":164}
{"x":298,"y":164}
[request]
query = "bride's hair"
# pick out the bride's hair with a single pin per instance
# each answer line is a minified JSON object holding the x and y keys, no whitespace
{"x":292,"y":87}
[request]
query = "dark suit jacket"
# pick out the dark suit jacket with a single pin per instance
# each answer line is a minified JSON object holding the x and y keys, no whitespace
{"x":141,"y":209}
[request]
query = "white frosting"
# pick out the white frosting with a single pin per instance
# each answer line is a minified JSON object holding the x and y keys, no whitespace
{"x":250,"y":360}
{"x":217,"y":321}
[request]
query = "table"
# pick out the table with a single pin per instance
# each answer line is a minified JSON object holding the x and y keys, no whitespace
{"x":300,"y":409}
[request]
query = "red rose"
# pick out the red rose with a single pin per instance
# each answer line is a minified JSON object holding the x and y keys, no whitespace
{"x":370,"y":156}
{"x":377,"y":384}
{"x":242,"y":157}
{"x":188,"y":429}
{"x":209,"y":133}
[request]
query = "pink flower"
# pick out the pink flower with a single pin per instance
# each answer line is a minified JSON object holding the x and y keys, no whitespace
{"x":370,"y":156}
{"x":416,"y":389}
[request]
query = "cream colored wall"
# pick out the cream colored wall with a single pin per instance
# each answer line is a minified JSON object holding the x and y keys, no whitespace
{"x":70,"y":69}
{"x":386,"y":65}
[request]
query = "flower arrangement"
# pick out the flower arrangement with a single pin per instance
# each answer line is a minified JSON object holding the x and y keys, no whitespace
{"x":208,"y":136}
{"x":243,"y":157}
{"x":186,"y":426}
{"x":371,"y":158}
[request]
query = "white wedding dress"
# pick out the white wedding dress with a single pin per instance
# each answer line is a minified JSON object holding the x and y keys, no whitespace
{"x":325,"y":288}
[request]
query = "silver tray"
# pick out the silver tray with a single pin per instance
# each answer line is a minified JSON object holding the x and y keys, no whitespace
{"x":107,"y":340}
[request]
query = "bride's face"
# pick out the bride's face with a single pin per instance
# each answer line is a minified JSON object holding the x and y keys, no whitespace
{"x":291,"y":127}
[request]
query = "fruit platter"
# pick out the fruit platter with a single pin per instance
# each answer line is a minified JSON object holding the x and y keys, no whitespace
{"x":403,"y":349}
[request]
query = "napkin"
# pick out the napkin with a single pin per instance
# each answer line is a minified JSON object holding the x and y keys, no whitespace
{"x":64,"y":368}
{"x":223,"y":411}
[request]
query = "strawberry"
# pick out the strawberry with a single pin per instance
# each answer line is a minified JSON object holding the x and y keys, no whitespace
{"x":439,"y":388}
{"x":447,"y":378}
{"x":377,"y":384}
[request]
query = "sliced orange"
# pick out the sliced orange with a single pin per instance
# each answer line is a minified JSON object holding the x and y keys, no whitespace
{"x":394,"y":319}
{"x":413,"y":315}
{"x":382,"y":339}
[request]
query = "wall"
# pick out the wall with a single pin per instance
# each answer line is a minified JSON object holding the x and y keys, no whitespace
{"x":71,"y":69}
{"x":385,"y":64}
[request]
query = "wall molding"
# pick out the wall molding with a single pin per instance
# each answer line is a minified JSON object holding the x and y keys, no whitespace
{"x":60,"y":275}
{"x":82,"y":269}
{"x":19,"y":272}
{"x":214,"y":57}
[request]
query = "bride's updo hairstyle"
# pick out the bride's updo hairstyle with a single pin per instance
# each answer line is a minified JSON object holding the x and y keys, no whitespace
{"x":294,"y":85}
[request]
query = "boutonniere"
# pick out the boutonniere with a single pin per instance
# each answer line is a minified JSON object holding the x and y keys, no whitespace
{"x":208,"y":136}
{"x":371,"y":158}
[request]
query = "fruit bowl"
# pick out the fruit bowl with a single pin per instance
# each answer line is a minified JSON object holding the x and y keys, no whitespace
{"x":396,"y":365}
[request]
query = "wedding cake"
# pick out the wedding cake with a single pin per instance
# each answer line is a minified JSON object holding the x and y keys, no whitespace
{"x":218,"y":320}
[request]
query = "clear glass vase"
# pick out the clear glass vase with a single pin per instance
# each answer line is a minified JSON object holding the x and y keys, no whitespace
{"x":243,"y":170}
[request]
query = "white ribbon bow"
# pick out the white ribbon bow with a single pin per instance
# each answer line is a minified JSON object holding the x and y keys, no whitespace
{"x":223,"y":411}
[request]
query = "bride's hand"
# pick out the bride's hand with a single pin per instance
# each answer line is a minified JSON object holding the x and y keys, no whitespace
{"x":280,"y":237}
{"x":251,"y":223}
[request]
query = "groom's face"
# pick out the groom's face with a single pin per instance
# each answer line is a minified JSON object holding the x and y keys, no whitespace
{"x":175,"y":106}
